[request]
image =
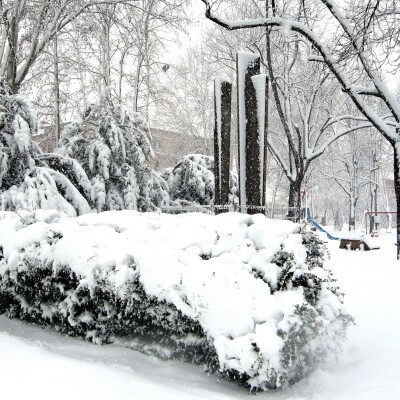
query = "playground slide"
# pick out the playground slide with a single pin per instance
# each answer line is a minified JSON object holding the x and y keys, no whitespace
{"x":320,"y":228}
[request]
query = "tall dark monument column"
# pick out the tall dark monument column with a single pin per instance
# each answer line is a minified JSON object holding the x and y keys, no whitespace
{"x":260,"y":83}
{"x":222,"y":142}
{"x":251,"y":88}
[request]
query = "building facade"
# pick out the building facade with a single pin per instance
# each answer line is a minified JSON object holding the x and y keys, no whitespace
{"x":168,"y":146}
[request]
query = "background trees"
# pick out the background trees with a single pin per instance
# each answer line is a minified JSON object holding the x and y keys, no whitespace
{"x":310,"y":112}
{"x":77,"y":48}
{"x":355,"y":55}
{"x":185,"y":96}
{"x":65,"y":54}
{"x":349,"y":167}
{"x":27,"y":27}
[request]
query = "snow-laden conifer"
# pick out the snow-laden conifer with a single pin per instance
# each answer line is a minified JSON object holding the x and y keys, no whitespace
{"x":192,"y":182}
{"x":30,"y":179}
{"x":112,"y":143}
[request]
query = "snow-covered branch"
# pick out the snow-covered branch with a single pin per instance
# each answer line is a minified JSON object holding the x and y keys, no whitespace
{"x":288,"y":24}
{"x":281,"y":161}
{"x":323,"y":147}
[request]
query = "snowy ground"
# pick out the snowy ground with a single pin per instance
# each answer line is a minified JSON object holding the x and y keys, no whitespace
{"x":37,"y":363}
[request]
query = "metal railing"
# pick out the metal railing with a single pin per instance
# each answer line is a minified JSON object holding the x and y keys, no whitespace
{"x":280,"y":213}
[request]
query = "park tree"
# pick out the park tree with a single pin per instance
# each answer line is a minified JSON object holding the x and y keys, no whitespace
{"x":28,"y":26}
{"x":126,"y":44}
{"x":310,"y":113}
{"x":191,"y":181}
{"x":61,"y":53}
{"x":365,"y":41}
{"x":348,"y":165}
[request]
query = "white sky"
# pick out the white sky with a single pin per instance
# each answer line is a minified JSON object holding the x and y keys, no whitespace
{"x":199,"y":22}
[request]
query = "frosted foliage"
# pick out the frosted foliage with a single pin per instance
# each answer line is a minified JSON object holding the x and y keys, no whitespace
{"x":192,"y":181}
{"x":39,"y":190}
{"x":22,"y":134}
{"x":112,"y":143}
{"x":28,"y":178}
{"x":130,"y":192}
{"x":73,"y":144}
{"x":99,"y":192}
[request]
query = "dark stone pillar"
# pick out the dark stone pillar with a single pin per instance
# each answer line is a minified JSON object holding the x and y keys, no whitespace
{"x":222,"y":140}
{"x":252,"y":122}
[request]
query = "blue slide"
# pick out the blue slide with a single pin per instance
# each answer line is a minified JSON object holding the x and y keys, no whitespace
{"x":321,"y":229}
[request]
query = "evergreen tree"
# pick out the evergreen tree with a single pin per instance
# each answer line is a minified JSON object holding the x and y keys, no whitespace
{"x":30,"y":179}
{"x":192,"y":181}
{"x":112,"y":143}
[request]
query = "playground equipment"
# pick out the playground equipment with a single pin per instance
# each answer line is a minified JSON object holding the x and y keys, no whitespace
{"x":310,"y":220}
{"x":321,"y":229}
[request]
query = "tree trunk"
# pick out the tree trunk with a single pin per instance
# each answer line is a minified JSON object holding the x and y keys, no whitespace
{"x":324,"y":219}
{"x":294,"y":199}
{"x":11,"y":68}
{"x":387,"y":205}
{"x":352,"y":214}
{"x":137,"y":84}
{"x":338,"y":225}
{"x":396,"y":155}
{"x":57,"y":123}
{"x":106,"y":52}
{"x":376,"y":221}
{"x":374,"y":192}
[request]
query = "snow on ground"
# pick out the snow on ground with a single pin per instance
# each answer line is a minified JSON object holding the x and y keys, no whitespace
{"x":41,"y":364}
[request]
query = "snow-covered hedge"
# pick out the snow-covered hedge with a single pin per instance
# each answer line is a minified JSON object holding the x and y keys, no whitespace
{"x":245,"y":295}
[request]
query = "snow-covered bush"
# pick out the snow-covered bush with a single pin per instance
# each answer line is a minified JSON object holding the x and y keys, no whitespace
{"x":244,"y":295}
{"x":112,"y":143}
{"x":191,"y":181}
{"x":30,"y":179}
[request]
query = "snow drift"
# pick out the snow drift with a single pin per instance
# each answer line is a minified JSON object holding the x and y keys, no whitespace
{"x":244,"y":295}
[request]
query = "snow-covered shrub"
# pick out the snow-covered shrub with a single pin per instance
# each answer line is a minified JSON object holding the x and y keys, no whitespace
{"x":244,"y":295}
{"x":112,"y":143}
{"x":191,"y":181}
{"x":30,"y":179}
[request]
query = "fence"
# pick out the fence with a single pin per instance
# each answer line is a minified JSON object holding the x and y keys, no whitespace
{"x":281,"y":213}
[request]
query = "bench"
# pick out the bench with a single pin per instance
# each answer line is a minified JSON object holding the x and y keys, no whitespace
{"x":353,"y":244}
